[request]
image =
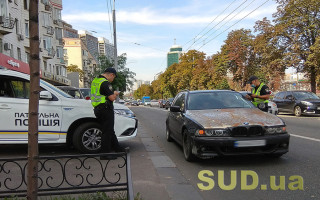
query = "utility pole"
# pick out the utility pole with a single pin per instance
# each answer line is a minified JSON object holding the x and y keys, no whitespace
{"x":33,"y":130}
{"x":115,"y":37}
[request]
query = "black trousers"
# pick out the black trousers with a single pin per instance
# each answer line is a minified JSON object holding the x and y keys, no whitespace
{"x":109,"y":141}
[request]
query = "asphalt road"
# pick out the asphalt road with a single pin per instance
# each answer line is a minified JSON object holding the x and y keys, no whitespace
{"x":298,"y":168}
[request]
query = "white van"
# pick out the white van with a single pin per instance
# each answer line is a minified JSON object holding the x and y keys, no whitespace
{"x":62,"y":119}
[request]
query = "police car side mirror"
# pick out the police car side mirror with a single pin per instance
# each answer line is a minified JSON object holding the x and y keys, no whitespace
{"x":45,"y":95}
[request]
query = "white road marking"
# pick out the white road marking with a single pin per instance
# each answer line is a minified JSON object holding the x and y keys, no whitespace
{"x":307,"y":138}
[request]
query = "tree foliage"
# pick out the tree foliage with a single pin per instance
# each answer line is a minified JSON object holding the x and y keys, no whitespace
{"x":75,"y":68}
{"x":291,"y":39}
{"x":125,"y":77}
{"x":297,"y":24}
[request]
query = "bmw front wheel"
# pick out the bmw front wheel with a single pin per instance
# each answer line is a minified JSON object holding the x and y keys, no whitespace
{"x":187,"y":147}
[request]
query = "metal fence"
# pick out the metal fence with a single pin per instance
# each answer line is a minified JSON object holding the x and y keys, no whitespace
{"x":68,"y":174}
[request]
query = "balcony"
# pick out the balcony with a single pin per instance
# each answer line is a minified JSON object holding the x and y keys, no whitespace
{"x":6,"y":25}
{"x":47,"y":75}
{"x":62,"y":61}
{"x":49,"y":53}
{"x":50,"y":30}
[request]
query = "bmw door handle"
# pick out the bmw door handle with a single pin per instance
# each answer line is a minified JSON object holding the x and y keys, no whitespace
{"x":5,"y":107}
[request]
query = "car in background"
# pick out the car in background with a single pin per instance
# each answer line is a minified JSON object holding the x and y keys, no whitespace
{"x":62,"y":118}
{"x":154,"y":103}
{"x":298,"y":102}
{"x":272,"y":106}
{"x":162,"y":103}
{"x":134,"y":103}
{"x":77,"y":93}
{"x":168,"y":103}
{"x":210,"y":123}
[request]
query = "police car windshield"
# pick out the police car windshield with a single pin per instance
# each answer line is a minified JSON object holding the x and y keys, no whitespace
{"x":62,"y":93}
{"x":217,"y":100}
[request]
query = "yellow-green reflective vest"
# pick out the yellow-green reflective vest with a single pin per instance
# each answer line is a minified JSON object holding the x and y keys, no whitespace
{"x":96,"y":97}
{"x":257,"y":101}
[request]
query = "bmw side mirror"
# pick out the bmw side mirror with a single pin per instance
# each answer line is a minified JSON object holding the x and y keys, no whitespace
{"x":45,"y":95}
{"x":175,"y":109}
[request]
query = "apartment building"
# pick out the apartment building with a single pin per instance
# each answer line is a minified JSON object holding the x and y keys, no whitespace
{"x":14,"y":38}
{"x":106,"y":48}
{"x":78,"y":54}
{"x":91,"y":42}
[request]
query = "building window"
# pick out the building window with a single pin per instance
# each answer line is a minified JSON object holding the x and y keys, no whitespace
{"x":58,"y":33}
{"x":57,"y":13}
{"x":27,"y":57}
{"x":45,"y":65}
{"x":59,"y":52}
{"x":17,"y":26}
{"x":3,"y":8}
{"x":58,"y":70}
{"x":26,"y":29}
{"x":1,"y":48}
{"x":47,"y":43}
{"x":19,"y":53}
{"x":46,"y":19}
{"x":25,"y":4}
{"x":11,"y":51}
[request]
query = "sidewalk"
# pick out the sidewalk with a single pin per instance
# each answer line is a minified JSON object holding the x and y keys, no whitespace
{"x":154,"y":175}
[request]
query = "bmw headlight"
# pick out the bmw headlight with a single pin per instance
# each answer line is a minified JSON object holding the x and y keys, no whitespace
{"x":306,"y":103}
{"x":276,"y":130}
{"x":213,"y":132}
{"x":125,"y":112}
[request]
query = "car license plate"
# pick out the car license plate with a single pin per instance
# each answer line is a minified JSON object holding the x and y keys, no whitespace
{"x":250,"y":143}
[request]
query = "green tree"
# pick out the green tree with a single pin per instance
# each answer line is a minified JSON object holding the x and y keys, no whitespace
{"x":125,"y":77}
{"x":239,"y":48}
{"x":75,"y":68}
{"x":143,"y":90}
{"x":297,"y":24}
{"x":269,"y":56}
{"x":183,"y":74}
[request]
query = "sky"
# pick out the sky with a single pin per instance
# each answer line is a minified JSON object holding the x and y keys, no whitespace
{"x":146,"y":29}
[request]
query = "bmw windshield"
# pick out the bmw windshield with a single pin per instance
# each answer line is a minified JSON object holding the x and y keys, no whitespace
{"x":217,"y":100}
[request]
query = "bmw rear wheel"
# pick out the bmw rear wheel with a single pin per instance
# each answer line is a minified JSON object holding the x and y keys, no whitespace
{"x":187,"y":147}
{"x":168,"y":135}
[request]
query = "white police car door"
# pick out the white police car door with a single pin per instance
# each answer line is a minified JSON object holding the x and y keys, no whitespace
{"x":14,"y":105}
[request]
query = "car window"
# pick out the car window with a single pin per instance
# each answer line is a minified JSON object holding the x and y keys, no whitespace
{"x":85,"y":92}
{"x":21,"y":88}
{"x":217,"y":100}
{"x":5,"y":88}
{"x":289,"y":95}
{"x":305,"y":95}
{"x":180,"y":101}
{"x":64,"y":94}
{"x":280,"y":95}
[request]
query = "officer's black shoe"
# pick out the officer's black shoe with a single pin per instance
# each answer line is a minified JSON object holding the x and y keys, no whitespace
{"x":108,"y":157}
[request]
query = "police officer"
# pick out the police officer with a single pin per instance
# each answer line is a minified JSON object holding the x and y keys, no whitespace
{"x":102,"y":98}
{"x":260,"y":93}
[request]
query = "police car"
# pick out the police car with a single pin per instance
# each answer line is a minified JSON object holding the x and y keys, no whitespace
{"x":62,"y":119}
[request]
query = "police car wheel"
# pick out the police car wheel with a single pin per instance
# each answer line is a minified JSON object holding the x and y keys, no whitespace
{"x":87,"y":138}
